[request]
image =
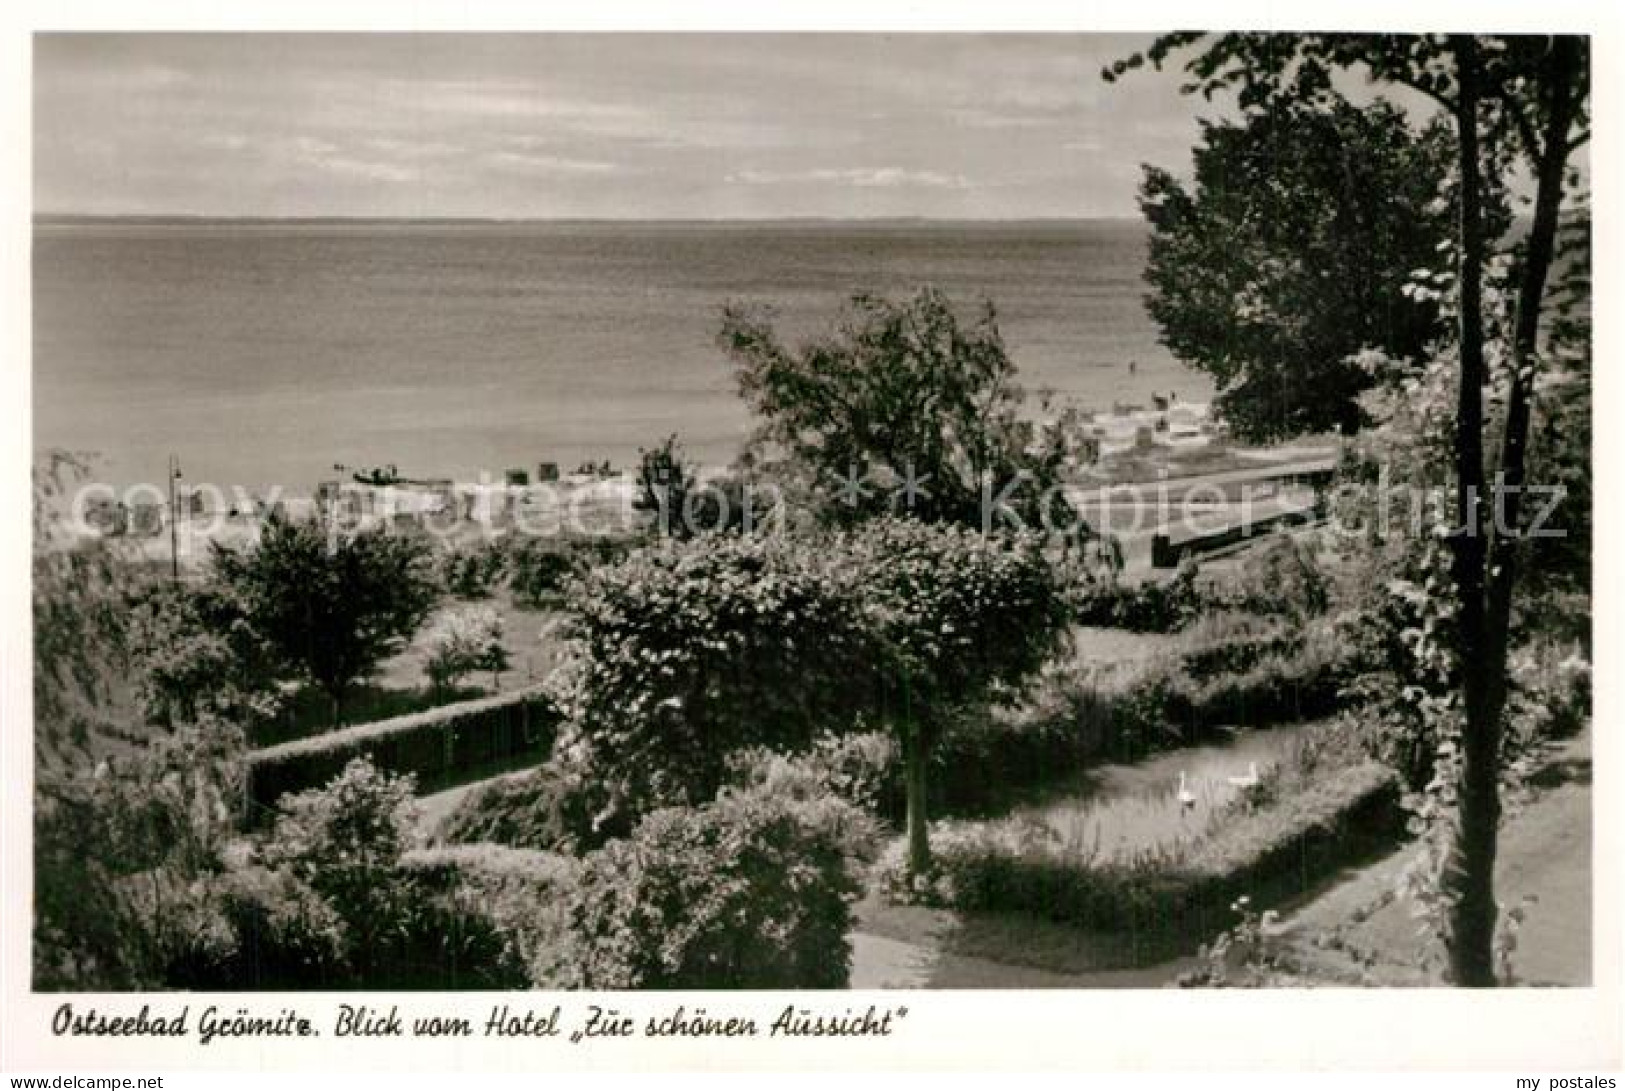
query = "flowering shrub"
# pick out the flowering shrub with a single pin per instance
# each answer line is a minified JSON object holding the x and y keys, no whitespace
{"x":753,"y":890}
{"x":462,"y":641}
{"x":344,"y":842}
{"x":499,"y":913}
{"x":336,"y":897}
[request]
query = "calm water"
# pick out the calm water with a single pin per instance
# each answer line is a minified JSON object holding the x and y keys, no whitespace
{"x":265,"y":354}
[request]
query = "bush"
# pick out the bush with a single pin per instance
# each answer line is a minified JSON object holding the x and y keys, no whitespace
{"x":686,"y":651}
{"x":1303,"y":682}
{"x":537,"y":574}
{"x":1151,"y":606}
{"x":1232,"y":642}
{"x":548,"y":808}
{"x":344,"y":841}
{"x":195,"y":653}
{"x":864,"y":769}
{"x":462,"y":641}
{"x":500,"y":909}
{"x":752,"y":891}
{"x":541,"y":570}
{"x":334,"y":897}
{"x":1283,"y":579}
{"x":471,"y":572}
{"x":1551,"y":695}
{"x":282,"y":935}
{"x":431,"y":745}
{"x":125,"y":854}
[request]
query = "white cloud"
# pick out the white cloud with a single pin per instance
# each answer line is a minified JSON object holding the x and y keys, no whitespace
{"x":532,"y":163}
{"x":370,"y":169}
{"x":861,"y":177}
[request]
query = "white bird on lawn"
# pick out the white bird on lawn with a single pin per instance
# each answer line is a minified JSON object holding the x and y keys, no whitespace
{"x":1187,"y":798}
{"x":1248,"y":781}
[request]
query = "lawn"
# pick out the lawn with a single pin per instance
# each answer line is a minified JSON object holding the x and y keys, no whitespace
{"x":401,"y":685}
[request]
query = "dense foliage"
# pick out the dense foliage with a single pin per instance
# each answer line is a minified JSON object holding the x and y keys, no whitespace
{"x":1289,"y":253}
{"x":689,"y":651}
{"x":750,"y":891}
{"x":541,"y":568}
{"x":905,"y":408}
{"x":195,"y":652}
{"x":1517,"y":106}
{"x":332,"y":605}
{"x":686,"y":651}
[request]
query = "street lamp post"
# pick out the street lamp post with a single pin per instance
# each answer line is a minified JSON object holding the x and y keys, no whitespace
{"x":174,"y":519}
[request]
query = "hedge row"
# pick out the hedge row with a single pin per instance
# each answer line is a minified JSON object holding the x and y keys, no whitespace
{"x":1270,"y":855}
{"x":435,"y":746}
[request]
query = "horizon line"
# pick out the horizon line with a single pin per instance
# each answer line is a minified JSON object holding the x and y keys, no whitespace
{"x":210,"y":217}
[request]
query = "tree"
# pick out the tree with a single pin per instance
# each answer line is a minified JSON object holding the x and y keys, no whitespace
{"x":665,"y":484}
{"x":130,"y":819}
{"x":957,"y":619}
{"x":1289,"y":254}
{"x":195,"y":653}
{"x":688,"y":652}
{"x":332,"y":611}
{"x":1515,"y":103}
{"x":906,"y":408}
{"x":684,"y":506}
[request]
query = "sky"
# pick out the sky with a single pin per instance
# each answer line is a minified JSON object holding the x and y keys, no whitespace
{"x":599,"y":126}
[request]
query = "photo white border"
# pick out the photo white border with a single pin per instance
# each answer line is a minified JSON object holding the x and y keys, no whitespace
{"x":1163,"y":1030}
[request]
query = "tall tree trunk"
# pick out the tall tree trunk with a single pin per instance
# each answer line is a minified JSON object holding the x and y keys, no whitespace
{"x":915,"y":755}
{"x":1469,"y":877}
{"x":1486,"y":625}
{"x":1561,"y":96}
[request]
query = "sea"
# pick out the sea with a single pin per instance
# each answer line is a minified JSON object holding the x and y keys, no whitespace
{"x":269,"y":353}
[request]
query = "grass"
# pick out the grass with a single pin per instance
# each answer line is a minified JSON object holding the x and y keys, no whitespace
{"x":1145,"y":863}
{"x":530,"y":636}
{"x":401,"y":686}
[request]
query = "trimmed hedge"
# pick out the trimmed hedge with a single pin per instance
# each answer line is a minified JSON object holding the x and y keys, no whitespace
{"x":435,"y":745}
{"x":1270,"y":855}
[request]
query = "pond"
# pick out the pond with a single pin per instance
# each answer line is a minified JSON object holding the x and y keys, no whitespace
{"x":1161,"y":803}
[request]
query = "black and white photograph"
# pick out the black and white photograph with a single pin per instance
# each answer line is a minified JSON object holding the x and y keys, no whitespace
{"x":585,"y":512}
